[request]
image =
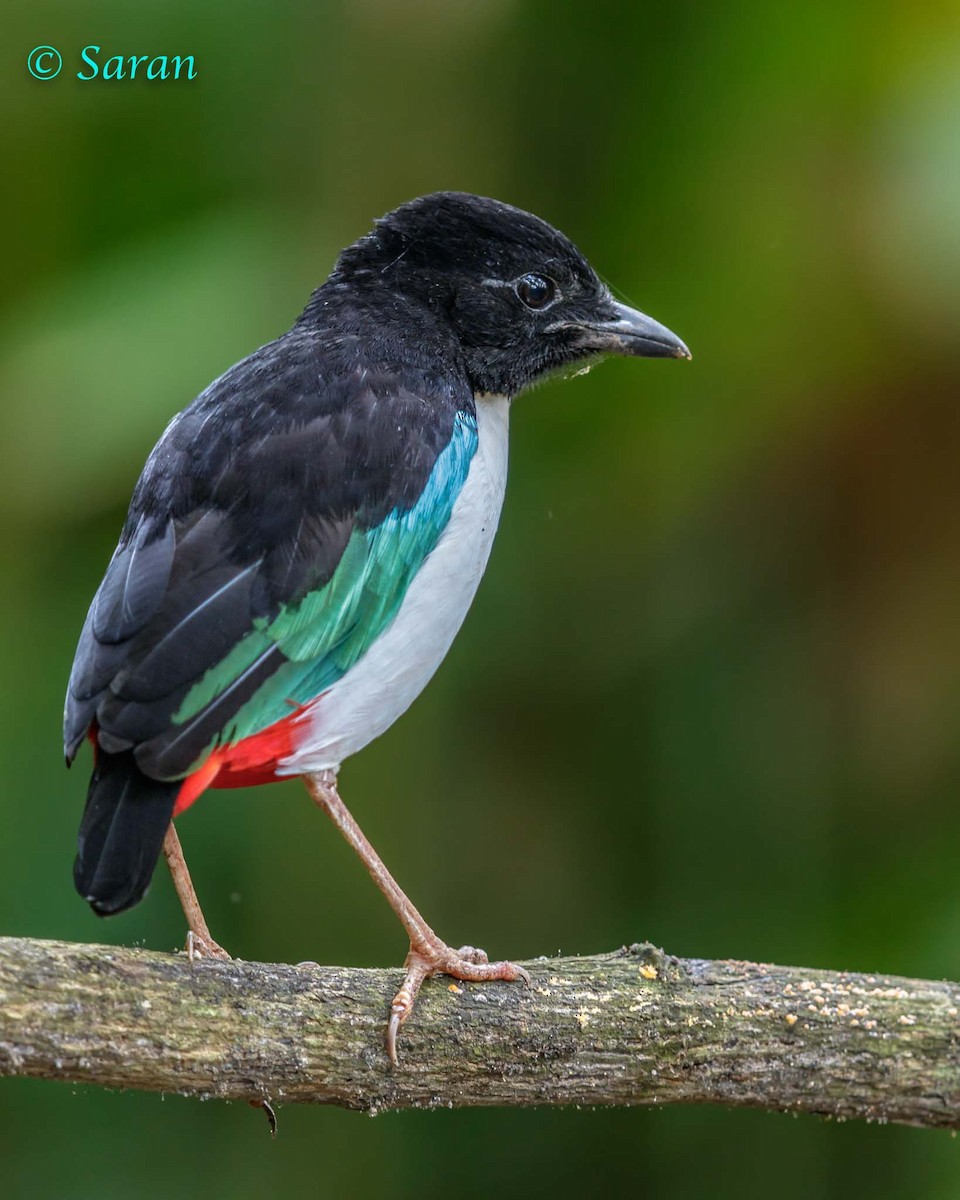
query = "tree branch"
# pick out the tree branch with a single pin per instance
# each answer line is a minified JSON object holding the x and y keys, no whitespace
{"x":632,"y":1027}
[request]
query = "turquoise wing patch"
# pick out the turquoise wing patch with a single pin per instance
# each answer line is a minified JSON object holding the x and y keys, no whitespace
{"x":330,"y":629}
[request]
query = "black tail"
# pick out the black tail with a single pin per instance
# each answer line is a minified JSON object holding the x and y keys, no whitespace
{"x":121,"y":834}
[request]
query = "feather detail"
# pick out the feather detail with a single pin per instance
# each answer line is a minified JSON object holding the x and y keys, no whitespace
{"x":312,"y":645}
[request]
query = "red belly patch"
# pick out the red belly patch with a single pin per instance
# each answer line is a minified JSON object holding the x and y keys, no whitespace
{"x":251,"y":761}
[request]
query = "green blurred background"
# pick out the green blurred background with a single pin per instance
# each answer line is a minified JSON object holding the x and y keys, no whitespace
{"x":708,"y":694}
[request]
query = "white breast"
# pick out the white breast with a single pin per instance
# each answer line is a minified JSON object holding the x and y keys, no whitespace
{"x":400,"y":663}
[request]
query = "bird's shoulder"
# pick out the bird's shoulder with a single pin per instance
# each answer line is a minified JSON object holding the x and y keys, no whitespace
{"x":317,"y":419}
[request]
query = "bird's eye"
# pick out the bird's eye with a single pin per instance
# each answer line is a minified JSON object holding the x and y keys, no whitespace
{"x":535,"y":291}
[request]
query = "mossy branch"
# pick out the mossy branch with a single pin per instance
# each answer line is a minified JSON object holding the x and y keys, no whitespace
{"x":632,"y":1027}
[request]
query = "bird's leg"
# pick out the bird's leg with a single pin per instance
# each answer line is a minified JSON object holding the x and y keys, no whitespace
{"x":428,"y":955}
{"x":199,"y":942}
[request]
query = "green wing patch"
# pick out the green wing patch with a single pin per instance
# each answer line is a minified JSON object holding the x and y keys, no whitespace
{"x":330,"y":629}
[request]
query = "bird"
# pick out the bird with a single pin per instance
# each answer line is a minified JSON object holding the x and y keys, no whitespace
{"x":308,"y":534}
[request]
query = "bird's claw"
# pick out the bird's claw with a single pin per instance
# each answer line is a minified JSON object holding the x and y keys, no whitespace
{"x":468,"y":964}
{"x":198,"y":947}
{"x":398,"y":1015}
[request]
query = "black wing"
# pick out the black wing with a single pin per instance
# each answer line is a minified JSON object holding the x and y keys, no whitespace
{"x":246,"y":503}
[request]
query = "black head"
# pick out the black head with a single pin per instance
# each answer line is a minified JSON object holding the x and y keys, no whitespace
{"x":520,"y":297}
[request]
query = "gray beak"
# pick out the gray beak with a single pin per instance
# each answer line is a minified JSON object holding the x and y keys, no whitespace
{"x":630,"y":332}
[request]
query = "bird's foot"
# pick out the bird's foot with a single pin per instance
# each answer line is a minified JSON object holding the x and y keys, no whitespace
{"x":203,"y":946}
{"x":436,"y":958}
